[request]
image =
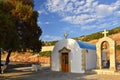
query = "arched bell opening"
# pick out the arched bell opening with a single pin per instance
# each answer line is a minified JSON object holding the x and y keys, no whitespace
{"x":105,"y":54}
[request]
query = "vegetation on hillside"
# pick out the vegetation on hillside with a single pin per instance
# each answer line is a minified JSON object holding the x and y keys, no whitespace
{"x":48,"y":43}
{"x":118,"y":47}
{"x":97,"y":35}
{"x":45,"y":53}
{"x":92,"y":36}
{"x":114,"y":31}
{"x":87,"y":37}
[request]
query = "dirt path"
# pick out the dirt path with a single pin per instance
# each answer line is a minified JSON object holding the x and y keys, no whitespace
{"x":46,"y":74}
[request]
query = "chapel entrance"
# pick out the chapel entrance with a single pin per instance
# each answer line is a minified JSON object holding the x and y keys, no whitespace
{"x":64,"y":59}
{"x":64,"y":62}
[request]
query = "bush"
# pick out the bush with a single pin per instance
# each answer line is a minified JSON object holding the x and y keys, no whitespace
{"x":118,"y":47}
{"x":45,"y":53}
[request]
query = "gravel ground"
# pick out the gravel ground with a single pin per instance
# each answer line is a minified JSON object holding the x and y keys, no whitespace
{"x":25,"y":73}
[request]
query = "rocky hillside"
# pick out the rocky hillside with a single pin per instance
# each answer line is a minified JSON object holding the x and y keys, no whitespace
{"x":27,"y":58}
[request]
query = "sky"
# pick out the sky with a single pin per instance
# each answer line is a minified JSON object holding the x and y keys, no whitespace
{"x":76,"y":17}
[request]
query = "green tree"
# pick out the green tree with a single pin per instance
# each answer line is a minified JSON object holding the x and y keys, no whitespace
{"x":9,"y":38}
{"x":18,"y":26}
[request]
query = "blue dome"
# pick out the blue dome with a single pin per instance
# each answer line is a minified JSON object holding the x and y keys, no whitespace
{"x":86,"y":45}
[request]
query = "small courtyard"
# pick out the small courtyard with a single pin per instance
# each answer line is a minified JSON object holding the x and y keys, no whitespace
{"x":25,"y":73}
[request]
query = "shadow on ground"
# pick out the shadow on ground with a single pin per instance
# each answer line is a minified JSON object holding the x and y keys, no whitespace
{"x":44,"y":74}
{"x":25,"y":73}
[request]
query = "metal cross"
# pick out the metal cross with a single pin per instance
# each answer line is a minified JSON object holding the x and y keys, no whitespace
{"x":105,"y":32}
{"x":66,"y":35}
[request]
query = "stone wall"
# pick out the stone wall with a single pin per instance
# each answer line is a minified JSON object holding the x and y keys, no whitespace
{"x":27,"y":57}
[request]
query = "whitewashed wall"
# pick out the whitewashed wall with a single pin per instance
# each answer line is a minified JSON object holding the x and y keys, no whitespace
{"x":91,"y":59}
{"x":74,"y":56}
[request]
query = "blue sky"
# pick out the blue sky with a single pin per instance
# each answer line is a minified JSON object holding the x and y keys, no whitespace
{"x":76,"y":17}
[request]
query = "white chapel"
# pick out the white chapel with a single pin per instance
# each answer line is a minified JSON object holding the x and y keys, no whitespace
{"x":74,"y":56}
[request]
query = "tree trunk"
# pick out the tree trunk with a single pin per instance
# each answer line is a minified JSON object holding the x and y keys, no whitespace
{"x":8,"y":56}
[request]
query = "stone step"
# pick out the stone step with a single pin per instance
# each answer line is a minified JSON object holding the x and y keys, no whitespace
{"x":106,"y":72}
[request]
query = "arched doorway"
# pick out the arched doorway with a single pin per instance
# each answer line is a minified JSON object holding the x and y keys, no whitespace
{"x":106,"y":44}
{"x":105,"y":54}
{"x":64,"y":59}
{"x":64,"y":62}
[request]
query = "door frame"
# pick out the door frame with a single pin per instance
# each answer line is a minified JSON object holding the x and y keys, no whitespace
{"x":64,"y":65}
{"x":61,"y":51}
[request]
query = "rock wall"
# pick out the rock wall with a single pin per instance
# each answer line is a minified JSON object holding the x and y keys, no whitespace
{"x":27,"y":57}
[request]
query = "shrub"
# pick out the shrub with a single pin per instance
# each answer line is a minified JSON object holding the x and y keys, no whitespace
{"x":118,"y":47}
{"x":45,"y":53}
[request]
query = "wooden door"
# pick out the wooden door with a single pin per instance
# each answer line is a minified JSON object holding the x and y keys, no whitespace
{"x":65,"y":62}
